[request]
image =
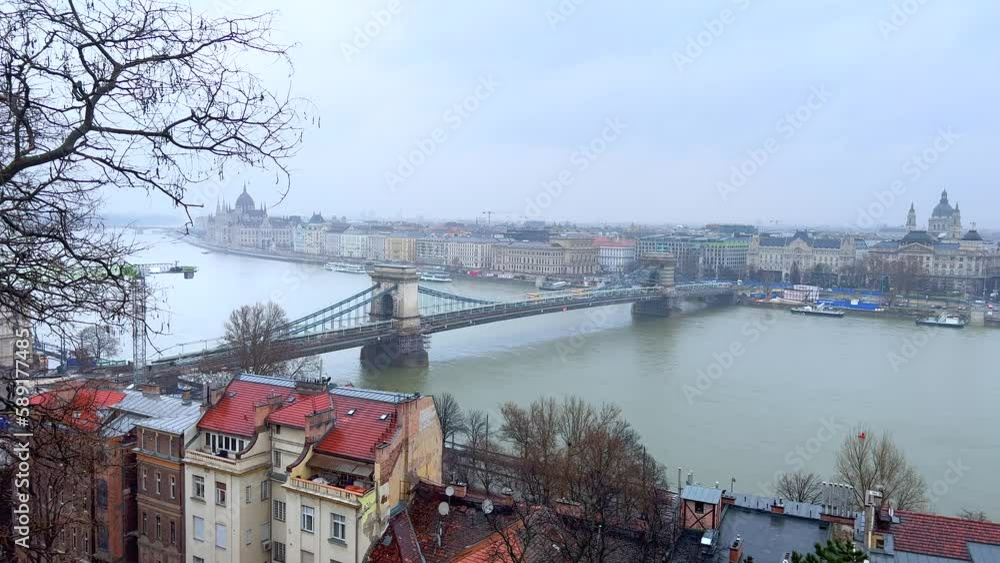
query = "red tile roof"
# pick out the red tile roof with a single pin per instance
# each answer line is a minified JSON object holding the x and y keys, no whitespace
{"x":356,"y":436}
{"x":234,"y":413}
{"x":940,"y":536}
{"x":82,"y":404}
{"x":295,"y":413}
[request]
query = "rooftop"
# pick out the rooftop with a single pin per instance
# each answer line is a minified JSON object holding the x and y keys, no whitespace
{"x":161,"y":412}
{"x":944,"y":536}
{"x":767,"y":536}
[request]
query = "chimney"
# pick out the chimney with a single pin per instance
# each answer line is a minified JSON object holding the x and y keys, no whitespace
{"x":736,"y":550}
{"x":778,"y":507}
{"x":185,"y":396}
{"x":460,"y":489}
{"x":150,"y":389}
{"x":870,"y":500}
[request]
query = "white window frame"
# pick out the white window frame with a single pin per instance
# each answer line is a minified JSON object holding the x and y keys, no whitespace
{"x":280,"y":511}
{"x":248,"y":536}
{"x":265,"y":490}
{"x":338,"y":522}
{"x":199,"y":485}
{"x":247,"y":494}
{"x":173,"y":487}
{"x":220,"y":499}
{"x":278,"y":551}
{"x":308,"y":517}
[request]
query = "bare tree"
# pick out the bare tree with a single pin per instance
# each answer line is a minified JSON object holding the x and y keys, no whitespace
{"x":799,"y":487}
{"x":253,"y":334}
{"x":586,"y":489}
{"x":871,"y":462}
{"x":76,"y":454}
{"x":450,"y":414}
{"x":109,"y":95}
{"x":973,"y":515}
{"x":99,"y":342}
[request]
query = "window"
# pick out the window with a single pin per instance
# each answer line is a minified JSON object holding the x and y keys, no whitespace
{"x":159,"y":535}
{"x":307,"y":557}
{"x":265,"y":531}
{"x":265,"y":490}
{"x":246,"y":494}
{"x":277,"y":459}
{"x":221,"y":536}
{"x":102,"y":493}
{"x":338,"y":527}
{"x":278,"y":551}
{"x":197,"y":559}
{"x":220,"y":493}
{"x":199,"y":487}
{"x":173,"y":487}
{"x":279,"y":511}
{"x":173,"y":532}
{"x":102,"y":538}
{"x":308,"y":517}
{"x":145,"y":474}
{"x":199,"y":528}
{"x":248,"y":536}
{"x":156,"y":477}
{"x":145,"y":531}
{"x":699,"y":507}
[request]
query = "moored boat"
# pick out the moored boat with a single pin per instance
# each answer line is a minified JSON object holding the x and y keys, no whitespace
{"x":949,"y":321}
{"x":345,"y":267}
{"x":817,"y":310}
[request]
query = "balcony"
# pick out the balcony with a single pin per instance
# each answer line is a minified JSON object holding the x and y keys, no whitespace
{"x":338,"y":494}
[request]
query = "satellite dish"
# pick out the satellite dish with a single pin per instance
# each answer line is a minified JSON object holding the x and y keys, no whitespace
{"x":450,"y":491}
{"x":443,"y":509}
{"x":487,"y":506}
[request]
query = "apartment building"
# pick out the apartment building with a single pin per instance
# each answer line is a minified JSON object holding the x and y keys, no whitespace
{"x":401,"y":248}
{"x":160,"y":446}
{"x":292,"y":471}
{"x":432,"y":250}
{"x":471,"y":253}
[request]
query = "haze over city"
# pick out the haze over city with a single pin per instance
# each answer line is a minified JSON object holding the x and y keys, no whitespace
{"x":695,"y":96}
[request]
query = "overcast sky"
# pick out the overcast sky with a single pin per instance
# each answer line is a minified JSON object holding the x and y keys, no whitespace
{"x":674,"y":99}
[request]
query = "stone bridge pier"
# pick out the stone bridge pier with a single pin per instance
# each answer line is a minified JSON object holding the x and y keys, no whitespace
{"x":659,"y":269}
{"x":406,"y":348}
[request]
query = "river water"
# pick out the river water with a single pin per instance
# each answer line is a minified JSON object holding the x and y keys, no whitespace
{"x":733,"y":393}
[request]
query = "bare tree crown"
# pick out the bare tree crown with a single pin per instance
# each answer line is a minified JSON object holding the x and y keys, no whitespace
{"x":118,"y":94}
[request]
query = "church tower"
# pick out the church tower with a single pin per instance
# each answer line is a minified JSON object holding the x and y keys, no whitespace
{"x":911,"y":219}
{"x":955,"y":230}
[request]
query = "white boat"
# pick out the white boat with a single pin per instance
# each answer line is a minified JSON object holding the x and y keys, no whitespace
{"x":950,"y":321}
{"x":345,"y":267}
{"x":554,"y":285}
{"x":820,"y":310}
{"x":434,"y":277}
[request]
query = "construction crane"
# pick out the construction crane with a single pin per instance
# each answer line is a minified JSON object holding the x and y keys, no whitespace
{"x":137,"y":273}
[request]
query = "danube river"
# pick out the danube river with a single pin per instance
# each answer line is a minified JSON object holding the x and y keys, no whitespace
{"x":733,"y":393}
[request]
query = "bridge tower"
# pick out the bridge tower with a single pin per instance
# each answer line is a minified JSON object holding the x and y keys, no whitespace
{"x":660,"y":268}
{"x":401,"y":305}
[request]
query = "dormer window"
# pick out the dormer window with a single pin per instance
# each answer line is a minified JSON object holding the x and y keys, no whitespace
{"x":350,"y":412}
